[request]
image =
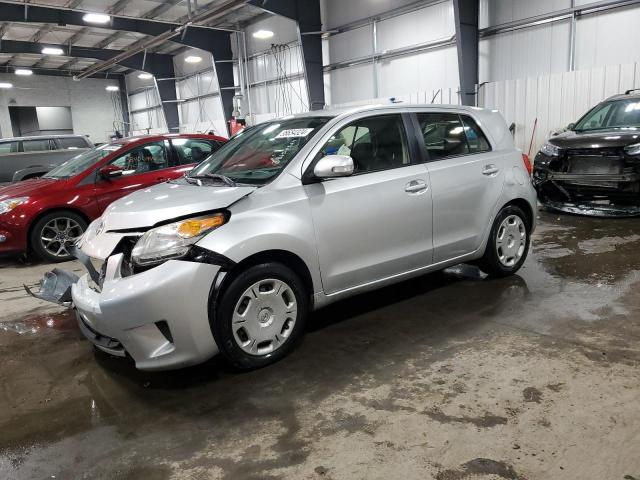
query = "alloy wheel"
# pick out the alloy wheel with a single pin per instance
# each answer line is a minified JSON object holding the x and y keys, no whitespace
{"x":58,"y":235}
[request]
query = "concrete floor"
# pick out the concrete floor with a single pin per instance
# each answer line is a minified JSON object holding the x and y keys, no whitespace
{"x":446,"y":377}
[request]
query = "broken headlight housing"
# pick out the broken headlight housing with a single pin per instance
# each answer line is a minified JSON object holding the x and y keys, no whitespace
{"x":550,"y":150}
{"x":173,"y":240}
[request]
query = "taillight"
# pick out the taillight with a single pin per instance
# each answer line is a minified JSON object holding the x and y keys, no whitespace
{"x":527,"y":163}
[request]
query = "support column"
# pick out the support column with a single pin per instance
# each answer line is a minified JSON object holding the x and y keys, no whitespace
{"x":218,"y":44}
{"x":466,"y":20}
{"x":124,"y":106}
{"x":307,"y":14}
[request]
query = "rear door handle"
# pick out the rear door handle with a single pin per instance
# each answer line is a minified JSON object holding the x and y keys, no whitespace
{"x":416,"y":186}
{"x":490,"y":170}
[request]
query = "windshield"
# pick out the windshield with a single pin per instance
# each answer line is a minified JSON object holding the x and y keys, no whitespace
{"x":80,"y":163}
{"x":260,"y":153}
{"x":614,"y":114}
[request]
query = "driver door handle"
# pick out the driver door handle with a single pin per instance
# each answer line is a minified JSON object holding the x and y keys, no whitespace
{"x":162,"y":179}
{"x":490,"y":170}
{"x":416,"y":186}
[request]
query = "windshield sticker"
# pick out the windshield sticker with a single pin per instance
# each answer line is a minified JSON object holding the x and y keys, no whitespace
{"x":294,"y":133}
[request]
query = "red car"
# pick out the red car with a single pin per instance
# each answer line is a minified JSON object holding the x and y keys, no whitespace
{"x":47,"y":214}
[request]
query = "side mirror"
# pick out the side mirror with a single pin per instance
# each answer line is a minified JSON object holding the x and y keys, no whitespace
{"x":110,"y":171}
{"x":571,"y":126}
{"x":333,"y":166}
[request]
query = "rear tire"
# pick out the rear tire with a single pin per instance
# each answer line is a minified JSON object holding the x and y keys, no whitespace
{"x":508,"y":243}
{"x":53,"y":234}
{"x":260,"y":317}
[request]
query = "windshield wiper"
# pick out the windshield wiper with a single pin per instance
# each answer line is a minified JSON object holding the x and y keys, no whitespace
{"x":215,"y":176}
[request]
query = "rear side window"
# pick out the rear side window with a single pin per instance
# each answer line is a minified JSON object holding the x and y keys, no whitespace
{"x":193,"y":150}
{"x":8,"y":147}
{"x":35,"y":145}
{"x":475,"y":138}
{"x":443,"y":134}
{"x":71,"y":143}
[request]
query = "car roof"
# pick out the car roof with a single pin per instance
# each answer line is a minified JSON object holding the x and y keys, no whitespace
{"x":167,"y":136}
{"x":40,"y":137}
{"x":336,"y":112}
{"x":624,"y":96}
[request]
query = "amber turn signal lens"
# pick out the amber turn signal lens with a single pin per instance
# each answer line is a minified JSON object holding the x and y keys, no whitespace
{"x":197,"y":226}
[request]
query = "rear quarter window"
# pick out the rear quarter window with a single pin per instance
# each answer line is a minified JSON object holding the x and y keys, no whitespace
{"x":71,"y":143}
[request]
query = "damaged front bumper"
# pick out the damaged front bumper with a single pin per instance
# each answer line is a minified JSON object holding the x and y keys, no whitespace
{"x":588,"y":185}
{"x":159,"y":316}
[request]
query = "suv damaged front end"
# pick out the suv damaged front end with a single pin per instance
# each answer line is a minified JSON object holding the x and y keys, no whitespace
{"x":596,"y":181}
{"x":148,"y":285}
{"x":593,"y":167}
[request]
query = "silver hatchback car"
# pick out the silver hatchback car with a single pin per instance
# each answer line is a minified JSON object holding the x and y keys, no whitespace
{"x":292,"y":215}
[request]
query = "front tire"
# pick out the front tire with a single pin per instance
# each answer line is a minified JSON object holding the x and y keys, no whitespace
{"x":508,"y":243}
{"x":260,"y":316}
{"x":55,"y":233}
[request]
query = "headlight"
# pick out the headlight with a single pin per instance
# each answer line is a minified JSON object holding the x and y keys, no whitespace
{"x":632,"y":149}
{"x":173,"y":240}
{"x":11,"y":203}
{"x":550,"y":150}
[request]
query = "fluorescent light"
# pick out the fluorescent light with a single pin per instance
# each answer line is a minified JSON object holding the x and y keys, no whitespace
{"x":52,"y":51}
{"x":112,"y":88}
{"x":23,"y":71}
{"x":6,"y":85}
{"x":145,"y":76}
{"x":263,"y":34}
{"x":96,"y":18}
{"x":193,"y":59}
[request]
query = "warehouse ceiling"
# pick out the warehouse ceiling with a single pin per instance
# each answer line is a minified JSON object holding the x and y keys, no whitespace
{"x":93,"y":36}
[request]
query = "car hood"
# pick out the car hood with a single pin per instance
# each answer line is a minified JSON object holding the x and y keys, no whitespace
{"x":29,"y":187}
{"x":166,"y":201}
{"x":613,"y":138}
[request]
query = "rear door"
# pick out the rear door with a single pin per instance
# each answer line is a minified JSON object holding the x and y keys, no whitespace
{"x":137,"y":173}
{"x":466,"y":178}
{"x":376,"y":223}
{"x":9,"y":160}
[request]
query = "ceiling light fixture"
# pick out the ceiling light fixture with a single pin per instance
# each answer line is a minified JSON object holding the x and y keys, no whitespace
{"x":6,"y":85}
{"x":145,"y":76}
{"x":23,"y":71}
{"x":263,"y":34}
{"x":112,"y":88}
{"x":52,"y":51}
{"x":193,"y":59}
{"x":101,"y":18}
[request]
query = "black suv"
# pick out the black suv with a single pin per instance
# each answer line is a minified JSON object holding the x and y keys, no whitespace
{"x":593,"y":167}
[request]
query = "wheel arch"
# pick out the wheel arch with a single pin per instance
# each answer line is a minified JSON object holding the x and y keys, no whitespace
{"x":285,"y":257}
{"x":525,"y":206}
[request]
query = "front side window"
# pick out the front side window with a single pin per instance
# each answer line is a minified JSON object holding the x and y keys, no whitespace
{"x":258,"y":155}
{"x":80,"y":163}
{"x":146,"y":158}
{"x":193,"y":150}
{"x":71,"y":143}
{"x":617,"y":114}
{"x":374,"y":143}
{"x":35,"y":145}
{"x":8,"y":147}
{"x":443,"y":134}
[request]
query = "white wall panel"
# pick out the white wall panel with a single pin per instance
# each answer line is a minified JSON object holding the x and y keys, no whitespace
{"x":609,"y":37}
{"x":423,"y":71}
{"x":352,"y":84}
{"x":351,"y":44}
{"x":531,"y":51}
{"x":496,"y":12}
{"x":341,"y":12}
{"x":424,"y":25}
{"x":555,"y":100}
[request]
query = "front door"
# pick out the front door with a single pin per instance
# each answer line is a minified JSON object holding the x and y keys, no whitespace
{"x":467,"y":178}
{"x":376,"y":223}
